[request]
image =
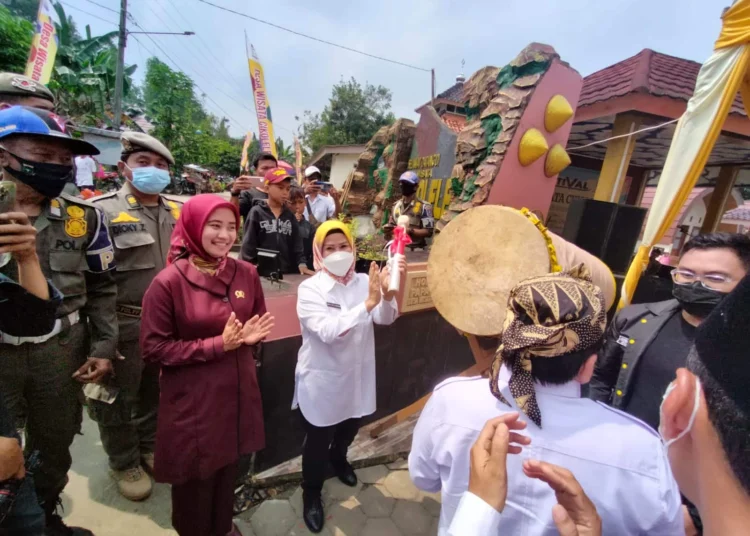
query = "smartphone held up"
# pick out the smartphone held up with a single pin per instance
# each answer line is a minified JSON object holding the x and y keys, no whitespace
{"x":7,"y":202}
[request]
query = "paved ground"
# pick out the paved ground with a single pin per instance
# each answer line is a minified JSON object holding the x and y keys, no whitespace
{"x":385,"y":503}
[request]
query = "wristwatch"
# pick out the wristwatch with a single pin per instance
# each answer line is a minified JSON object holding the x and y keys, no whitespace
{"x":235,"y":194}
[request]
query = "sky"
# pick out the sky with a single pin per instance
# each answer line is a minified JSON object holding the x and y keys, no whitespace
{"x":440,"y":34}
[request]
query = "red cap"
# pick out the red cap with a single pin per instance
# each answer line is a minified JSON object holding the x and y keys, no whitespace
{"x":277,"y":175}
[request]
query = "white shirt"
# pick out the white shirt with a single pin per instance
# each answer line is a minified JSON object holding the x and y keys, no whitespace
{"x":619,"y":460}
{"x":85,"y":169}
{"x":474,"y":517}
{"x":323,"y":208}
{"x":335,"y":376}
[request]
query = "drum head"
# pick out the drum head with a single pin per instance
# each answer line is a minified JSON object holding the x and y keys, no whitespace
{"x":476,"y":261}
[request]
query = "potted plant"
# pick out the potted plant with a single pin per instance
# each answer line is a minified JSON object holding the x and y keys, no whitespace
{"x":370,"y":248}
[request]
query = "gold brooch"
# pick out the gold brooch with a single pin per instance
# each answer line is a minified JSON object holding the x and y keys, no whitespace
{"x":239,"y":294}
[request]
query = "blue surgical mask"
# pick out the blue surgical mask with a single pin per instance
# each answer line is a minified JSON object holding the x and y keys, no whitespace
{"x":150,"y":180}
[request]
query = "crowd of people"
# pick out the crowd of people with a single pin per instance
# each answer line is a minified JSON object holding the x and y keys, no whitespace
{"x":133,"y":299}
{"x":640,"y":425}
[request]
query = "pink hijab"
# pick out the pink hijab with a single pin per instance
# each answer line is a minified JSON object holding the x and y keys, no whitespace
{"x":187,"y":237}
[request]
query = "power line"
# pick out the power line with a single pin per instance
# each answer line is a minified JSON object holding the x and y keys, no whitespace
{"x":234,"y":98}
{"x":208,"y":49}
{"x":226,"y":114}
{"x":89,"y":14}
{"x":103,"y":6}
{"x":241,"y":93}
{"x":196,"y":72}
{"x":363,"y":53}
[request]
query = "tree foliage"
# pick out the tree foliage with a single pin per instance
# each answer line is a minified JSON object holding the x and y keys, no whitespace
{"x":26,"y":9}
{"x":193,"y":135}
{"x":285,"y":152}
{"x":15,"y":41}
{"x":352,"y":116}
{"x":84,"y":76}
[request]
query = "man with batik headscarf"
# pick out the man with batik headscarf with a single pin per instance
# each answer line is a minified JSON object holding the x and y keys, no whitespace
{"x":553,"y":328}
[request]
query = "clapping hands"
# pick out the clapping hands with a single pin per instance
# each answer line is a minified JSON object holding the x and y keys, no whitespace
{"x":574,"y":515}
{"x":257,"y":328}
{"x":252,"y":332}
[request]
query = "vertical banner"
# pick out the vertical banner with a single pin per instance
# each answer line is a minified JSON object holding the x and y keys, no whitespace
{"x":43,"y":45}
{"x":262,"y":105}
{"x":244,"y":164}
{"x":298,"y":159}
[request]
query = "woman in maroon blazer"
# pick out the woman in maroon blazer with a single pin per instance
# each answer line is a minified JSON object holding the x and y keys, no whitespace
{"x":202,"y":317}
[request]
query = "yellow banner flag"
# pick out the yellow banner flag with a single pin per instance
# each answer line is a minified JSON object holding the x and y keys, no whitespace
{"x":298,"y":159}
{"x":262,"y":105}
{"x":43,"y":46}
{"x":244,"y":164}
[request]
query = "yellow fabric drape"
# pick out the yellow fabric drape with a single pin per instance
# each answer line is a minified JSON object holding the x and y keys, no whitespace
{"x":735,"y":34}
{"x":735,"y":29}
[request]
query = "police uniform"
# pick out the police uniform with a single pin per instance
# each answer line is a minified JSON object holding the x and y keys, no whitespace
{"x":76,"y":255}
{"x":141,"y":238}
{"x":23,"y":86}
{"x":420,"y":217}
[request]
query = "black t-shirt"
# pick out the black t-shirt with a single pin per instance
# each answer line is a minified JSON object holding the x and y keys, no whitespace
{"x":656,"y":369}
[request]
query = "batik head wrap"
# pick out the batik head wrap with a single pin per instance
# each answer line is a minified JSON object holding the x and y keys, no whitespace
{"x":320,"y":236}
{"x":547,"y":317}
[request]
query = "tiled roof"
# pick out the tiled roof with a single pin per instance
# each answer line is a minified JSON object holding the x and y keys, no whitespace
{"x":646,"y":72}
{"x":739,"y":214}
{"x":454,"y":93}
{"x":648,"y":199}
{"x":455,"y":122}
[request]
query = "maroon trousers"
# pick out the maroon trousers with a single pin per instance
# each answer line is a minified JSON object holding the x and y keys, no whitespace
{"x":205,"y":507}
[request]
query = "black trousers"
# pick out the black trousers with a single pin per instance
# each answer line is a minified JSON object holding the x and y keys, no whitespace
{"x":324,"y":444}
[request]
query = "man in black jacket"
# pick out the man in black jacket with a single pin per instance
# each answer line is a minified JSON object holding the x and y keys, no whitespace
{"x":646,"y":343}
{"x":273,"y":226}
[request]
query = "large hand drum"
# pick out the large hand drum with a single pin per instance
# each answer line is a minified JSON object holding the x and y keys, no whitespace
{"x":486,"y":251}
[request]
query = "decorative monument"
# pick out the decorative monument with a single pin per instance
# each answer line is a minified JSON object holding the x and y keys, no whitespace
{"x":509,"y":152}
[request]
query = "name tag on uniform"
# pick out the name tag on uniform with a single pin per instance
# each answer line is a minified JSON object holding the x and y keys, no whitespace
{"x":622,"y":340}
{"x":333,"y":305}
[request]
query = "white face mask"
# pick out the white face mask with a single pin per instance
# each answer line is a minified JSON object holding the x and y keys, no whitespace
{"x":339,"y":263}
{"x":691,"y":421}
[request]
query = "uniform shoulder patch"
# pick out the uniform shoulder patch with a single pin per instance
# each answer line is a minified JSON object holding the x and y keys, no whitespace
{"x":458,"y":379}
{"x":175,"y":208}
{"x":629,"y":417}
{"x":124,"y":217}
{"x":132,"y":201}
{"x":54,"y":208}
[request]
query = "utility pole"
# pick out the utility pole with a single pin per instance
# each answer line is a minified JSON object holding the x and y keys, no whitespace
{"x":120,"y":63}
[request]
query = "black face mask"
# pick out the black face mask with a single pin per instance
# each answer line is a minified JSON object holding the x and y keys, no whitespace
{"x":408,"y":189}
{"x":47,"y":179}
{"x":696,"y":299}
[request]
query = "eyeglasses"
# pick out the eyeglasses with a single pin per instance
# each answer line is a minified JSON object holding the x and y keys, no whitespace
{"x":710,"y":281}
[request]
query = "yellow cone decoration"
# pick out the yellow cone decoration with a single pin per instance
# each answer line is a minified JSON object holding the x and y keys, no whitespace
{"x":557,"y":160}
{"x":559,"y":111}
{"x":532,"y":147}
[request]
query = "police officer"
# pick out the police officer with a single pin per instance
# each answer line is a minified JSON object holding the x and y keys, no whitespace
{"x":140,"y":222}
{"x":19,"y":90}
{"x":421,"y":220}
{"x":41,"y":376}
